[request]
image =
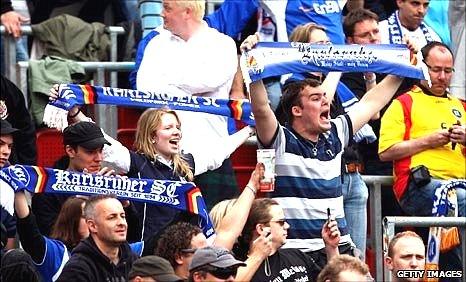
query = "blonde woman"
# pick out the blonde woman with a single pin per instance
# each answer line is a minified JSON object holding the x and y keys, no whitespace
{"x":157,"y":155}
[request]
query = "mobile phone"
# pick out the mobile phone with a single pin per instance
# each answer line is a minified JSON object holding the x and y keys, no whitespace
{"x":328,"y":214}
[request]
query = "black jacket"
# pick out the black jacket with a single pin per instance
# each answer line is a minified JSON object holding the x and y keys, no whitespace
{"x":88,"y":263}
{"x":13,"y":109}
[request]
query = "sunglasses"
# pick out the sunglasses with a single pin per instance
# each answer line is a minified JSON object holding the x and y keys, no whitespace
{"x":279,"y":221}
{"x":223,"y":273}
{"x":188,"y":251}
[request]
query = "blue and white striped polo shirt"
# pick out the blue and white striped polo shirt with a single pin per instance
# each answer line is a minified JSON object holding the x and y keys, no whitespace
{"x":308,"y":182}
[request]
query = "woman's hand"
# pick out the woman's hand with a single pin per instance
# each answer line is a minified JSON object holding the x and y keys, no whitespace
{"x":256,"y":176}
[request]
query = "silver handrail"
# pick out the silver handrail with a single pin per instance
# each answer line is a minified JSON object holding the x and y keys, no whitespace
{"x":9,"y":47}
{"x":375,"y":183}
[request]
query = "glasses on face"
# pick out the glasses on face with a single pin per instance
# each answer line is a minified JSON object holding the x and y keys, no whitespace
{"x":223,"y":273}
{"x":439,"y":69}
{"x":281,"y":222}
{"x":188,"y":251}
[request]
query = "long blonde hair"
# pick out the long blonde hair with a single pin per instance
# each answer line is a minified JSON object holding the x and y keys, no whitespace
{"x":147,"y":126}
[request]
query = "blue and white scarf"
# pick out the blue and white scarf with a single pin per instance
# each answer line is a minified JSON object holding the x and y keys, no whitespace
{"x":395,"y":34}
{"x":277,"y":58}
{"x":70,"y":95}
{"x":444,"y":204}
{"x":183,"y":196}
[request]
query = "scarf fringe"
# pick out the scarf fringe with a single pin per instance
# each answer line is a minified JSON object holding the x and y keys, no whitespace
{"x":55,"y":117}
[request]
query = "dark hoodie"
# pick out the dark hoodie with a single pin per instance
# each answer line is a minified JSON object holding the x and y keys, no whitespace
{"x":88,"y":263}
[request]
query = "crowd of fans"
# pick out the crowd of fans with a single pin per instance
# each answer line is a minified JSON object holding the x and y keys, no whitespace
{"x":313,"y":226}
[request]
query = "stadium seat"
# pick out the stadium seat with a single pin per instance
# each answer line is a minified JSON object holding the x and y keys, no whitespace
{"x":126,"y":136}
{"x":244,"y":161}
{"x":49,"y":145}
{"x":128,"y":117}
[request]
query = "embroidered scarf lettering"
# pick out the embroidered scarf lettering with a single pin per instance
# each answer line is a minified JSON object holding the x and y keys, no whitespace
{"x":70,"y":95}
{"x":183,"y":196}
{"x":395,"y":35}
{"x":277,"y":58}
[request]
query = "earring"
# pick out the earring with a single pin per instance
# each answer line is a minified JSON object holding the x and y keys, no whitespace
{"x":153,"y":141}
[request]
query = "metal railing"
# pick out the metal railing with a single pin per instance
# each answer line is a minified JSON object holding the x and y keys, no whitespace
{"x":9,"y":47}
{"x":375,"y":183}
{"x":390,"y":222}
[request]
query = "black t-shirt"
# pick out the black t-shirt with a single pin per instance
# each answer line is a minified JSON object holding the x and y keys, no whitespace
{"x":287,"y":265}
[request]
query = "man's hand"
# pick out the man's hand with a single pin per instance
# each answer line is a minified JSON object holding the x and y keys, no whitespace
{"x":458,"y":134}
{"x":12,"y":22}
{"x":438,"y":138}
{"x":331,"y":234}
{"x":262,"y":246}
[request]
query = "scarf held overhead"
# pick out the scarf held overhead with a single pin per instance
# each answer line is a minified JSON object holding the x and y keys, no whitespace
{"x":70,"y":95}
{"x":183,"y":196}
{"x":276,"y":58}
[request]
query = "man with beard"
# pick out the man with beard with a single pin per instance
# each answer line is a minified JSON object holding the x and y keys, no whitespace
{"x":104,"y":255}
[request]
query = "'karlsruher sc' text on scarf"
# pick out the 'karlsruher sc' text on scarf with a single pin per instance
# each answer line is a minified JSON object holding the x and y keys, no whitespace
{"x":70,"y":95}
{"x":183,"y":196}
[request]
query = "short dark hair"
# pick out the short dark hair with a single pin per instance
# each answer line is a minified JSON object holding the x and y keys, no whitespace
{"x":397,"y":237}
{"x":91,"y":203}
{"x":357,"y":16}
{"x":292,"y":95}
{"x":175,"y":238}
{"x":429,"y":46}
{"x":341,"y":263}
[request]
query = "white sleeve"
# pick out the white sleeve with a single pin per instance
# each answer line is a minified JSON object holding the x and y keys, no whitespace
{"x":211,"y":157}
{"x":216,"y":68}
{"x":116,"y":156}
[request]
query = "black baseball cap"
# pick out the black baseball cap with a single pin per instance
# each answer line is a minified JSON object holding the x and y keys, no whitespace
{"x":6,"y":127}
{"x":154,"y":266}
{"x":85,"y":134}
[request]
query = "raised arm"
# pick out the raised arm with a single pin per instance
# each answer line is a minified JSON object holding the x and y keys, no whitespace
{"x":32,"y":241}
{"x":329,"y":85}
{"x":374,"y":101}
{"x":266,"y":122}
{"x":235,"y":218}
